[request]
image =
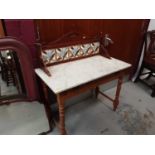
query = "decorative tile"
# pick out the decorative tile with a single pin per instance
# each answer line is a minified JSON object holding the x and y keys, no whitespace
{"x":66,"y":53}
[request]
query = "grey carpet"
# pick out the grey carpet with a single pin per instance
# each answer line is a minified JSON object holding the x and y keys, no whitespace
{"x":135,"y":114}
{"x":23,"y":118}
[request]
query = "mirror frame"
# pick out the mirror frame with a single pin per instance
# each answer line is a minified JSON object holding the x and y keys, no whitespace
{"x":23,"y":53}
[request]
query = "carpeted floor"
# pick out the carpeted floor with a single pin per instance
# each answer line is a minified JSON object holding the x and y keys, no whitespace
{"x":7,"y":90}
{"x":23,"y":118}
{"x":135,"y":115}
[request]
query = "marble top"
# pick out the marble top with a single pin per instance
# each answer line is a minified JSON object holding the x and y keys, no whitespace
{"x":71,"y":74}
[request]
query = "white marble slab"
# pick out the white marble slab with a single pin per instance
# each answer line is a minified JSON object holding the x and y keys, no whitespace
{"x":69,"y":75}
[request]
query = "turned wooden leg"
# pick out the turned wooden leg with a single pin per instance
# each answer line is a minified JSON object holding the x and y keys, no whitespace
{"x":96,"y":92}
{"x":61,"y":115}
{"x":47,"y":107}
{"x":116,"y":100}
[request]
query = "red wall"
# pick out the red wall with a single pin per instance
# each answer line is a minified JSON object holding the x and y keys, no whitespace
{"x":23,"y":29}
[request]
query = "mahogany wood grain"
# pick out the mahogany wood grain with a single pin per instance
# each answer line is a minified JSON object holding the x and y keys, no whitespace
{"x":127,"y":34}
{"x":116,"y":101}
{"x":61,"y":106}
{"x":2,"y":34}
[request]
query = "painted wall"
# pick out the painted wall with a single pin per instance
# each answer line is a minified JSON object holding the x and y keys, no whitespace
{"x":24,"y":31}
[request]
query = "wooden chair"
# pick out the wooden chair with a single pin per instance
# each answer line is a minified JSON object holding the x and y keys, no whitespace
{"x":148,"y":61}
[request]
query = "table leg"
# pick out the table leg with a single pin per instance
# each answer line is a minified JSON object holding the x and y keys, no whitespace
{"x":61,"y":114}
{"x":47,"y":107}
{"x":153,"y":91}
{"x":116,"y":100}
{"x":96,"y":91}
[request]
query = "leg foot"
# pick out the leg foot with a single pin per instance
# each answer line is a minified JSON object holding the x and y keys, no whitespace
{"x":61,"y":115}
{"x":153,"y":92}
{"x":96,"y":92}
{"x":48,"y":108}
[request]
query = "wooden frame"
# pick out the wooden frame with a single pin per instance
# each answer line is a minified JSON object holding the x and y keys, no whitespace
{"x":22,"y":51}
{"x":2,"y":33}
{"x":71,"y":38}
{"x":149,"y":60}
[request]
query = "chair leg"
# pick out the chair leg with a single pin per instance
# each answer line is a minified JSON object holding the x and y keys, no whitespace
{"x":153,"y":92}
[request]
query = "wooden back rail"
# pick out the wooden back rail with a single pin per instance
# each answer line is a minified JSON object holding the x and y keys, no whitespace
{"x":71,"y":46}
{"x":150,"y":44}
